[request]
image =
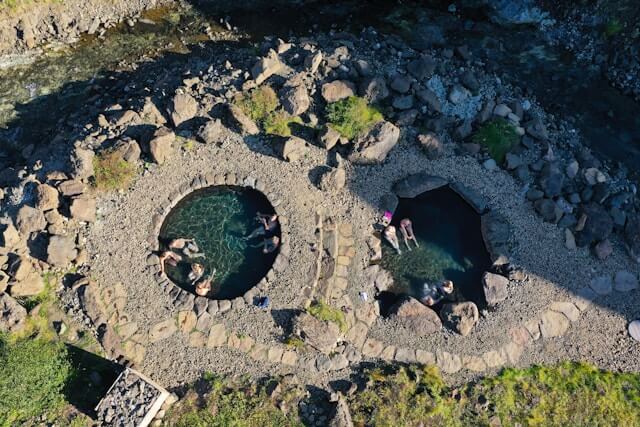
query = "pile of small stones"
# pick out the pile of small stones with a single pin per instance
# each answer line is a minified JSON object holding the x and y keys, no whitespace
{"x":127,"y":402}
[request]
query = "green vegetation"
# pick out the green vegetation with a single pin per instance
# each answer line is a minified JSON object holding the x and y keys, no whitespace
{"x":33,"y":373}
{"x":612,"y":27}
{"x":112,"y":172}
{"x":238,"y":405}
{"x":322,"y":311}
{"x":279,"y":123}
{"x":576,"y":394}
{"x":498,"y":137}
{"x":258,"y":104}
{"x":294,"y":342}
{"x":352,"y":116}
{"x":15,"y":5}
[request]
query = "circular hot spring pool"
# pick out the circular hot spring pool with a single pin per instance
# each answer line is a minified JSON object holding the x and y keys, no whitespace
{"x":227,"y":244}
{"x":451,"y":248}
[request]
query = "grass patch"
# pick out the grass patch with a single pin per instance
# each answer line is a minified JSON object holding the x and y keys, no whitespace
{"x":322,"y":311}
{"x":33,"y":373}
{"x":498,"y":137}
{"x":258,"y":104}
{"x":352,"y":116}
{"x":112,"y":172}
{"x":294,"y":342}
{"x":279,"y":123}
{"x":576,"y":394}
{"x":239,"y":405}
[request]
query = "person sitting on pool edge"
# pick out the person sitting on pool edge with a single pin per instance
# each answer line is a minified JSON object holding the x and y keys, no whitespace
{"x":406,"y":227}
{"x":188,"y":247}
{"x":203,"y":287}
{"x":270,"y":244}
{"x":269,"y":225}
{"x":391,"y":236}
{"x":170,"y":258}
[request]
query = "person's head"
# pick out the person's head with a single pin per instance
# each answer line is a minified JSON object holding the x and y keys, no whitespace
{"x":447,"y":286}
{"x":197,"y":268}
{"x":429,"y":301}
{"x":273,"y":218}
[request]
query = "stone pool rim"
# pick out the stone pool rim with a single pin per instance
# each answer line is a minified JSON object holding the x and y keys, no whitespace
{"x":182,"y":298}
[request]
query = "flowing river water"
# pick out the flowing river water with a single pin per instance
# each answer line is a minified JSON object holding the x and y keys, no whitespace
{"x":608,"y":121}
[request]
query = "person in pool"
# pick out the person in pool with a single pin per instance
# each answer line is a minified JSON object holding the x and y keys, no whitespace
{"x":203,"y":287}
{"x":197,"y":271}
{"x":188,"y":247}
{"x":269,"y":224}
{"x":169,"y":257}
{"x":391,"y":236}
{"x":406,"y":227}
{"x":432,"y":294}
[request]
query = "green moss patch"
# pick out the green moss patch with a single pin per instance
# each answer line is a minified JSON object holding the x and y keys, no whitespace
{"x":258,"y":104}
{"x":279,"y":123}
{"x":112,"y":172}
{"x":352,"y":116}
{"x":322,"y":311}
{"x":498,"y":137}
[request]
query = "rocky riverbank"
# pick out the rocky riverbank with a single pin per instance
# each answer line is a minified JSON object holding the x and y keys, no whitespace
{"x":44,"y":22}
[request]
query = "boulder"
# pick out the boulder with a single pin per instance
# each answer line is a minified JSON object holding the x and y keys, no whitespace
{"x":597,"y":227}
{"x":333,"y":180}
{"x":458,"y":94}
{"x":476,"y":200}
{"x":20,"y":268}
{"x":12,"y":314}
{"x":422,"y":68}
{"x":312,"y":61}
{"x":461,"y":317}
{"x":373,"y":147}
{"x":401,"y":83}
{"x":495,"y":288}
{"x":431,"y":99}
{"x":31,"y":285}
{"x":9,"y":238}
{"x":294,"y":149}
{"x":470,"y":81}
{"x":416,"y":184}
{"x":632,"y":237}
{"x":329,"y":138}
{"x":83,"y":209}
{"x":82,"y":163}
{"x":128,"y":149}
{"x":625,"y":281}
{"x":337,"y":90}
{"x":71,"y":187}
{"x":30,"y":220}
{"x":266,"y":67}
{"x":321,"y":335}
{"x":46,"y":197}
{"x":431,"y":145}
{"x":374,"y":89}
{"x":551,"y":180}
{"x":342,"y":416}
{"x":61,"y":251}
{"x":151,"y":114}
{"x":547,"y":209}
{"x":603,"y":249}
{"x":403,"y":102}
{"x":496,"y":233}
{"x":184,"y":107}
{"x":161,"y":145}
{"x":211,"y":132}
{"x":415,"y":316}
{"x":295,"y":100}
{"x":244,"y":123}
{"x":426,"y":36}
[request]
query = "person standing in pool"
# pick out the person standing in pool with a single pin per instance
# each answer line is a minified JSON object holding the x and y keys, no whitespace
{"x":197,"y":271}
{"x":406,"y":227}
{"x":391,"y":236}
{"x":432,"y":294}
{"x":270,"y":244}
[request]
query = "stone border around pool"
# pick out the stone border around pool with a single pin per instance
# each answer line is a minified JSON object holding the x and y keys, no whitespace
{"x":183,"y":300}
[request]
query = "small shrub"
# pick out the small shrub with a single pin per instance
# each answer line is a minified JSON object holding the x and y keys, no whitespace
{"x":279,"y":123}
{"x":352,"y":116}
{"x":322,"y":311}
{"x":294,"y":342}
{"x":258,"y":103}
{"x":498,"y":137}
{"x":112,"y":172}
{"x":612,"y":27}
{"x":33,"y":373}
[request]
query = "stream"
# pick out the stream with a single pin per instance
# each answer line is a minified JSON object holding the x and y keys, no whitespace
{"x":608,"y":121}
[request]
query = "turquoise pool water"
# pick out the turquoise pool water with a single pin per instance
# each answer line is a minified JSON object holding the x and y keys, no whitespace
{"x":220,"y":219}
{"x":451,"y":246}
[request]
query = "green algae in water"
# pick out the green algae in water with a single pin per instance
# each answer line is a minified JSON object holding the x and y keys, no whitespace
{"x":220,"y":219}
{"x":451,"y":246}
